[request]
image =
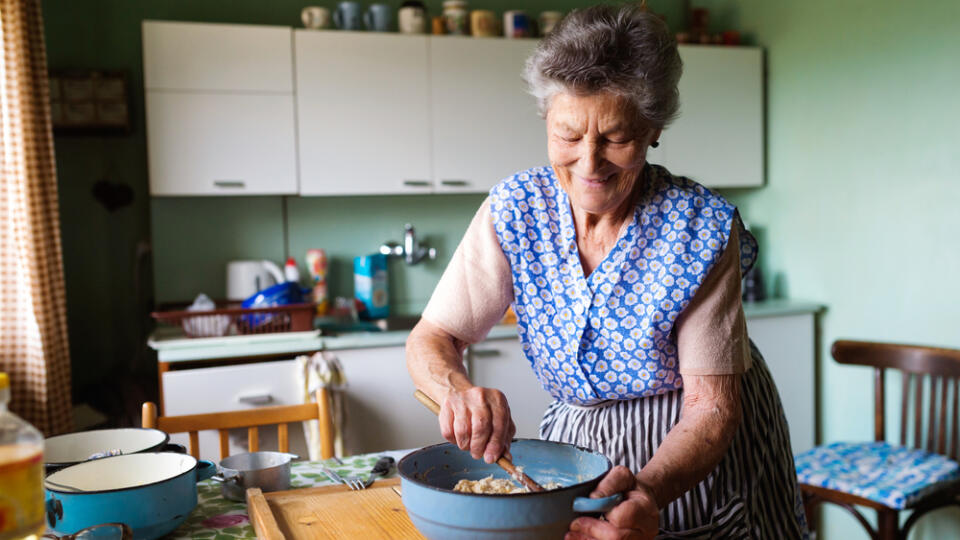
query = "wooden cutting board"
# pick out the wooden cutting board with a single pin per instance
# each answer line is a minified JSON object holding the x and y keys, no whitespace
{"x":331,"y":513}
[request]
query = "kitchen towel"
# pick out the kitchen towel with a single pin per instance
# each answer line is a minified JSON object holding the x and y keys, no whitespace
{"x":323,"y":370}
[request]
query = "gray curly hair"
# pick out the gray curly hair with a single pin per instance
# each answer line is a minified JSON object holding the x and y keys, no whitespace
{"x":624,"y":50}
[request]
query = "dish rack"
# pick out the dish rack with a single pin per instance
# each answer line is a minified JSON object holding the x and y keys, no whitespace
{"x":235,"y":320}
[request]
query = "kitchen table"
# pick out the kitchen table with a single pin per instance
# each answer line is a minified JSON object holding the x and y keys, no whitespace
{"x":217,"y":518}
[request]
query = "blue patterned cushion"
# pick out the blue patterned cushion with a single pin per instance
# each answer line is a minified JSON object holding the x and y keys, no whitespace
{"x":892,"y":475}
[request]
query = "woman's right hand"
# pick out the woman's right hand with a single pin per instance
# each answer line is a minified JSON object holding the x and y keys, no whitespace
{"x":478,"y":419}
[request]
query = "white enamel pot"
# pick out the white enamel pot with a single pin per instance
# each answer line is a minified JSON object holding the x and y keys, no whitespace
{"x":72,"y":448}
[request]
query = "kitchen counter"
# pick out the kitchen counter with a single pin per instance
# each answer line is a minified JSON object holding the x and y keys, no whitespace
{"x":172,"y":346}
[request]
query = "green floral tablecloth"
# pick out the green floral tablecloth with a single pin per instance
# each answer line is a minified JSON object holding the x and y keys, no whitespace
{"x":217,"y":518}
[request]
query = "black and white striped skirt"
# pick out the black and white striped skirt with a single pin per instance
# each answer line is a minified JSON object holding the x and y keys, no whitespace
{"x":751,"y":494}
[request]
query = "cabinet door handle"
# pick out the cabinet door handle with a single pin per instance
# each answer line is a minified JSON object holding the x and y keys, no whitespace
{"x":417,"y":183}
{"x":485,"y":353}
{"x":455,"y":183}
{"x":256,"y":399}
{"x":240,"y":184}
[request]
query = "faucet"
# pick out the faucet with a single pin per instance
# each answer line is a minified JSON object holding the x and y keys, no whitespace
{"x":412,"y":251}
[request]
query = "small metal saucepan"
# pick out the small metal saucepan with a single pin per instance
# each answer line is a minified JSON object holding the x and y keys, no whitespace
{"x":269,"y":471}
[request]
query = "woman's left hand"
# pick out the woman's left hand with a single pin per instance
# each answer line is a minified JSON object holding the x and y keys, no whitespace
{"x":636,"y":518}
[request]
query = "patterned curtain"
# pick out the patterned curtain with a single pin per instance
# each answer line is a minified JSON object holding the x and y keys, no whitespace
{"x":33,"y":323}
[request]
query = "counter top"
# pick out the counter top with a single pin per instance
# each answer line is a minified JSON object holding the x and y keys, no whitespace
{"x":172,"y":346}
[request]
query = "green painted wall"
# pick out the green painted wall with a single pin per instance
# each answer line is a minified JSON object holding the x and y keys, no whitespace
{"x":860,"y":209}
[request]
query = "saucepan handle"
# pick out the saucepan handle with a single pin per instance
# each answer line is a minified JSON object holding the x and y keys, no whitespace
{"x":205,"y":469}
{"x":585,"y":505}
{"x":174,"y":447}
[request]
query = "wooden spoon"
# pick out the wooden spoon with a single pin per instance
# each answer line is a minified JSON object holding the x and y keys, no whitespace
{"x":503,"y":462}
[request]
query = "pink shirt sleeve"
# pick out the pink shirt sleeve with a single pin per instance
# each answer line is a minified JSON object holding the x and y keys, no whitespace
{"x":712,"y":331}
{"x":477,"y":287}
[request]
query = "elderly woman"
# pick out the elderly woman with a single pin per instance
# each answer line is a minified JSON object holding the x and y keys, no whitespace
{"x":626,"y":284}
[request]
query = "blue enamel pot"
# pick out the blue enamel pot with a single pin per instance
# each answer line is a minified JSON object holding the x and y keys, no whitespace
{"x":439,"y":513}
{"x":153,"y":493}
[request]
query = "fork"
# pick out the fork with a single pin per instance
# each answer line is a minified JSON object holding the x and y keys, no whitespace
{"x":381,"y":468}
{"x":353,"y":482}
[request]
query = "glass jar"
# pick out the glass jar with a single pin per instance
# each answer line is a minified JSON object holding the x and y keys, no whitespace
{"x":21,"y":473}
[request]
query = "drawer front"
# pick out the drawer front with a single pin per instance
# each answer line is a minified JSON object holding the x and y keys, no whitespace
{"x":229,"y":388}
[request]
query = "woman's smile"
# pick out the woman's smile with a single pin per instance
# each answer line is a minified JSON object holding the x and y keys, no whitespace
{"x":596,"y":150}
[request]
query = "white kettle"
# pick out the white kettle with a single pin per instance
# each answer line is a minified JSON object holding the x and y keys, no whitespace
{"x":246,"y":278}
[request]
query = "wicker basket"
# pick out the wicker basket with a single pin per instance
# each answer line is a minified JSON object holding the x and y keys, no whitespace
{"x":226,"y":321}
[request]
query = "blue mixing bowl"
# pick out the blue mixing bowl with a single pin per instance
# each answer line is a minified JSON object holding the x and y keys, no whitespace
{"x":439,"y":513}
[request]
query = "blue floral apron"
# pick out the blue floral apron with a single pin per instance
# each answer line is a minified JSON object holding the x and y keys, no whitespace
{"x":609,"y":335}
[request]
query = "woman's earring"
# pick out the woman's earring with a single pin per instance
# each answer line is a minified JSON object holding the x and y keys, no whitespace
{"x":654,"y":144}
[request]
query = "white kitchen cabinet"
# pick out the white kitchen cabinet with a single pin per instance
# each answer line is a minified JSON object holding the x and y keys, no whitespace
{"x":219,"y":109}
{"x":381,"y":410}
{"x":230,"y":388}
{"x":217,"y":57}
{"x":717,"y":139}
{"x":787,"y":343}
{"x":501,"y":364}
{"x":485,"y":125}
{"x":220,"y":144}
{"x":363,"y":116}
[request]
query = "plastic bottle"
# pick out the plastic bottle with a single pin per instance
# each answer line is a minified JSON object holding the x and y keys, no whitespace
{"x":21,"y":473}
{"x":317,"y":266}
{"x":290,"y":270}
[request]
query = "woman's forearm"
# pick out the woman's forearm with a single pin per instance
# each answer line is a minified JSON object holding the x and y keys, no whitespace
{"x":696,"y":444}
{"x":435,"y":361}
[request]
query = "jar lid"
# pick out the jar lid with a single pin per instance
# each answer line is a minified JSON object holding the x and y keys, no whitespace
{"x":454,"y":3}
{"x":413,"y":3}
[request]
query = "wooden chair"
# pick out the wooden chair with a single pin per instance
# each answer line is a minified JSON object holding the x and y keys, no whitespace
{"x":252,"y":419}
{"x":941,"y":367}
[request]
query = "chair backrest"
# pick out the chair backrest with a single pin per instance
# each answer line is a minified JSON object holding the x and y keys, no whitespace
{"x":932,"y":369}
{"x":252,"y":419}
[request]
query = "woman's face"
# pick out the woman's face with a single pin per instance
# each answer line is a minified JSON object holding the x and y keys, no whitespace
{"x":596,"y":148}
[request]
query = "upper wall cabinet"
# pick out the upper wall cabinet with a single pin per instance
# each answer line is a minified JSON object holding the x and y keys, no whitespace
{"x":718,"y":138}
{"x":485,"y":124}
{"x":249,"y":109}
{"x":363,"y":113}
{"x":398,"y":114}
{"x":220,"y":109}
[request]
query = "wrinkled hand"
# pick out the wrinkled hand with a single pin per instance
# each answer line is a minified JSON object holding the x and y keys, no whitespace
{"x":636,"y":518}
{"x":478,"y":419}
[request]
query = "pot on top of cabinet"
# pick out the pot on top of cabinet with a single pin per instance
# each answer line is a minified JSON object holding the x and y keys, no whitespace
{"x":455,"y":16}
{"x":378,"y":18}
{"x":412,"y":17}
{"x":315,"y":17}
{"x":347,"y":16}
